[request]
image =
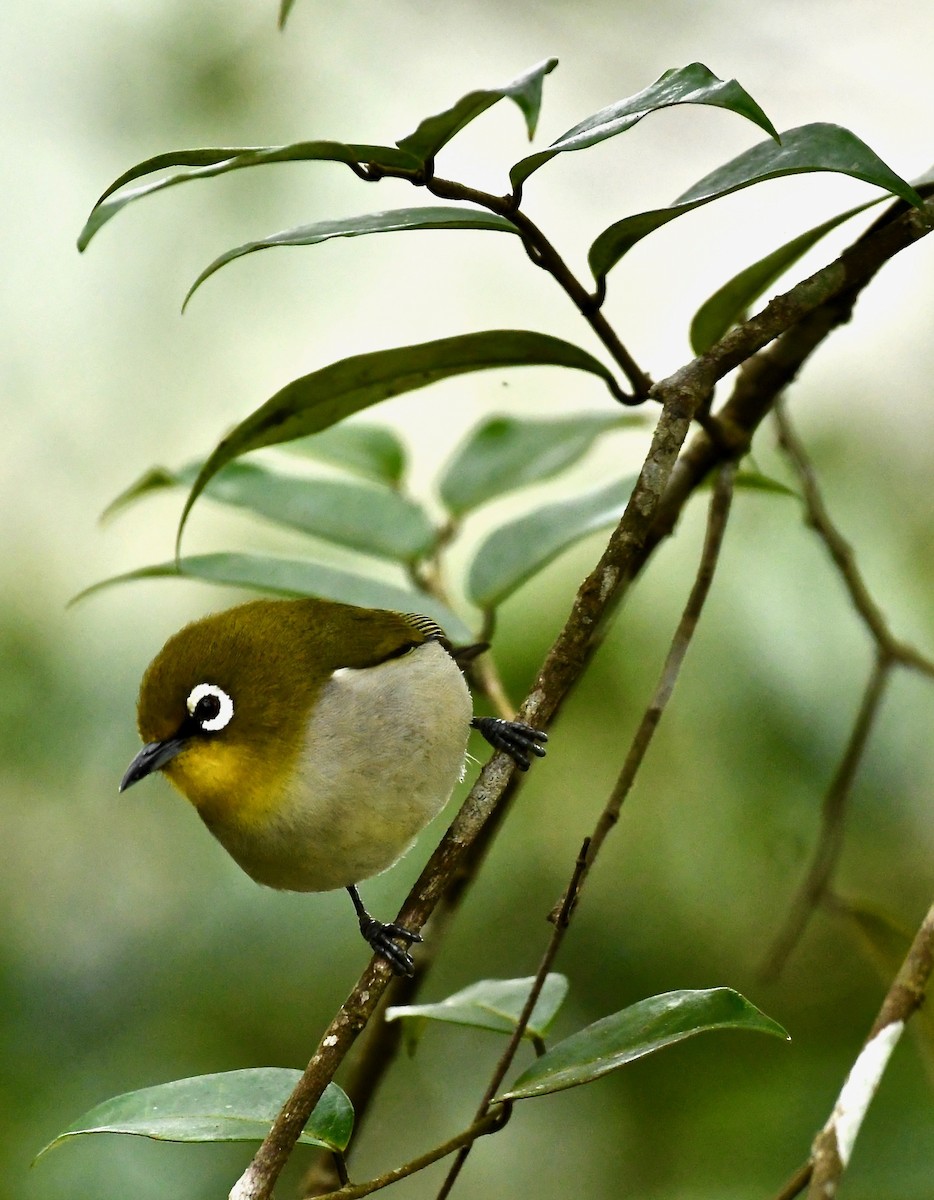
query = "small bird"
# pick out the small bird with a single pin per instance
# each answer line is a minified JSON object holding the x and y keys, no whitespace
{"x":315,"y":740}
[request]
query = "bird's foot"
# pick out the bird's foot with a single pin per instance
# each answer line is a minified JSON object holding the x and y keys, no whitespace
{"x":383,"y":937}
{"x":513,"y":738}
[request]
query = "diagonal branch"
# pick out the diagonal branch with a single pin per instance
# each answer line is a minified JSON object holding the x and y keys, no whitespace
{"x":718,"y":515}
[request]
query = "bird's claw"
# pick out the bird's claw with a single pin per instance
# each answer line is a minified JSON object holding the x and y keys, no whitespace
{"x":380,"y":935}
{"x":513,"y":738}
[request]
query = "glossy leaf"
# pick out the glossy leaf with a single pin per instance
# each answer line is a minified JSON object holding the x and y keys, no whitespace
{"x":693,"y":84}
{"x":807,"y":149}
{"x":730,"y":304}
{"x":394,"y":221}
{"x":292,"y":577}
{"x":360,"y":517}
{"x":520,"y":548}
{"x":236,"y":1106}
{"x":435,"y":132}
{"x":641,"y":1029}
{"x":321,"y":399}
{"x":504,"y":453}
{"x":205,"y":164}
{"x":494,"y":1004}
{"x":372,"y":451}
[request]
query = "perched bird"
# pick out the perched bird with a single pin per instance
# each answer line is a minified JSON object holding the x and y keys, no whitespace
{"x":315,"y":740}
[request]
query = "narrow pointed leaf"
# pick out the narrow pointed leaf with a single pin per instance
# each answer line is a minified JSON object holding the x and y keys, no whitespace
{"x":517,"y":550}
{"x":505,"y":453}
{"x":372,"y":451}
{"x":435,"y":132}
{"x":755,"y":481}
{"x":321,"y":399}
{"x":236,"y":1106}
{"x":730,"y":304}
{"x":641,"y":1029}
{"x":884,"y":942}
{"x":807,"y":149}
{"x":494,"y":1004}
{"x":426,"y":217}
{"x":358,"y":516}
{"x":285,"y":7}
{"x":292,"y":577}
{"x":693,"y":84}
{"x":205,"y":164}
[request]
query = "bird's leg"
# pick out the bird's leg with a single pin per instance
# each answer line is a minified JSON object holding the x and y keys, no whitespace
{"x":380,"y":937}
{"x":513,"y":738}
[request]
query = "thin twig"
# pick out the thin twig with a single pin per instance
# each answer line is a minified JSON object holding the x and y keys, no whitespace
{"x":833,"y":814}
{"x":841,"y":552}
{"x":561,"y":915}
{"x":543,"y":254}
{"x":718,"y":514}
{"x":489,"y":1123}
{"x":797,"y":1183}
{"x":889,"y":652}
{"x":833,"y":1145}
{"x":515,"y":1040}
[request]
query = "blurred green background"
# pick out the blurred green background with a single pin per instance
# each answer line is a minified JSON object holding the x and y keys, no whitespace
{"x":132,"y":951}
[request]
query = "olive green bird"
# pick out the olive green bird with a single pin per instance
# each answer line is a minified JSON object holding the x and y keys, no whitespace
{"x":315,"y":740}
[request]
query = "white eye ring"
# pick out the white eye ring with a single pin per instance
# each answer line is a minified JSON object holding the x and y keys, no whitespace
{"x":225,"y":708}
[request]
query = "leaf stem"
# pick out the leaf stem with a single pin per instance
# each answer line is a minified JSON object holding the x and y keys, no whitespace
{"x":491,"y":1122}
{"x":543,"y":254}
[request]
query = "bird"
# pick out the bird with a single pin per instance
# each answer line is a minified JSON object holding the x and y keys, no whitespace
{"x":316,"y":740}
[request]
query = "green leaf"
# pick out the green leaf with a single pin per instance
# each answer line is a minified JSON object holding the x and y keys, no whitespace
{"x":517,"y":550}
{"x":641,"y":1029}
{"x":755,"y":481}
{"x":285,"y":7}
{"x":809,"y":148}
{"x":236,"y":1106}
{"x":205,"y":164}
{"x":494,"y":1004}
{"x":883,"y":940}
{"x":693,"y":84}
{"x":396,"y":220}
{"x":291,"y":577}
{"x":730,"y":303}
{"x":372,"y":451}
{"x":321,"y":399}
{"x":354,"y":515}
{"x":435,"y":132}
{"x":504,"y":453}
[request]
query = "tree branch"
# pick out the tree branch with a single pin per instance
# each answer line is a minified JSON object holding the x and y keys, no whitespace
{"x":717,"y":517}
{"x":842,"y":554}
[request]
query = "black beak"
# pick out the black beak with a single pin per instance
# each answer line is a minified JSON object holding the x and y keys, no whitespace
{"x":152,"y":757}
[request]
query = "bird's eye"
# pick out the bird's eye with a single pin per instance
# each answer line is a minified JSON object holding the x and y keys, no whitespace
{"x":210,"y":706}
